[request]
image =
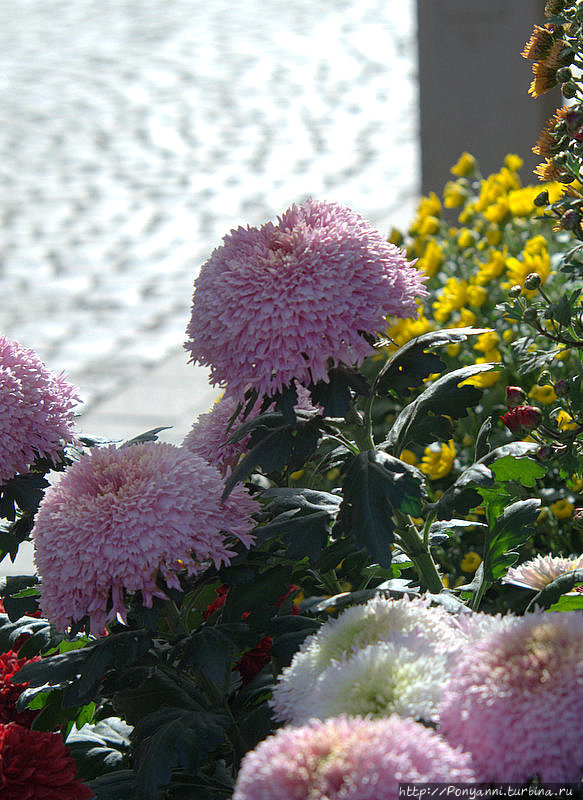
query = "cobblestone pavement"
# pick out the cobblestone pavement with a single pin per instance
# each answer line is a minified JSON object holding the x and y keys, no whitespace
{"x":135,"y":133}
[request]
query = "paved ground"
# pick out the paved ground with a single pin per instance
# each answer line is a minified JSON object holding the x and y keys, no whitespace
{"x":135,"y":133}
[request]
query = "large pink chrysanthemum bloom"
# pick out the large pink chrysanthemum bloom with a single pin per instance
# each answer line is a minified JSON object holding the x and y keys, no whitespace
{"x":36,"y":410}
{"x":118,"y":517}
{"x":542,"y":570}
{"x":515,"y":700}
{"x":348,"y":758}
{"x":276,"y":303}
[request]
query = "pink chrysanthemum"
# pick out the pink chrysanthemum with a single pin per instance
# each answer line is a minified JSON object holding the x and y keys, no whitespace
{"x":209,"y":435}
{"x":348,"y":758}
{"x":36,"y":410}
{"x":515,"y":700}
{"x":542,"y":570}
{"x":276,"y":303}
{"x":118,"y":517}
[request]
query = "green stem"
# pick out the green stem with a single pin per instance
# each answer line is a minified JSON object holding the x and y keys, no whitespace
{"x":176,"y":625}
{"x":419,"y":553}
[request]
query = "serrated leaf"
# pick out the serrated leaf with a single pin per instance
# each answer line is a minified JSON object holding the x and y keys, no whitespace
{"x":174,"y":738}
{"x":482,"y":439}
{"x":408,"y":367}
{"x":101,"y":748}
{"x":443,"y":398}
{"x":143,"y":690}
{"x":512,"y":528}
{"x":439,"y":532}
{"x":256,"y":594}
{"x":334,"y":395}
{"x":552,"y":593}
{"x":147,"y":436}
{"x":523,"y":470}
{"x":211,"y":650}
{"x":375,"y":484}
{"x":42,"y":635}
{"x":462,"y":495}
{"x":118,"y":785}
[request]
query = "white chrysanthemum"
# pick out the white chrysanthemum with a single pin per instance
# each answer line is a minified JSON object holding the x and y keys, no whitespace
{"x":476,"y":625}
{"x":542,"y":570}
{"x":409,"y":623}
{"x":379,"y":680}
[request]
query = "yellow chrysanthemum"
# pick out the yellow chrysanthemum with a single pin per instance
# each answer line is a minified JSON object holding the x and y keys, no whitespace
{"x":431,"y":259}
{"x":464,"y":166}
{"x":562,"y":509}
{"x":471,"y":561}
{"x":486,"y":379}
{"x":518,"y":270}
{"x":496,"y":186}
{"x":487,"y":343}
{"x":428,"y":226}
{"x":493,"y":236}
{"x":403,"y":330}
{"x":492,"y":268}
{"x":536,"y":245}
{"x":466,"y":238}
{"x":544,"y":394}
{"x":454,"y":194}
{"x":477,"y":295}
{"x":498,"y":211}
{"x":451,"y":297}
{"x":565,"y":421}
{"x":466,"y":319}
{"x":429,"y":206}
{"x":437,"y":461}
{"x":467,"y":214}
{"x":513,"y":162}
{"x":409,"y":457}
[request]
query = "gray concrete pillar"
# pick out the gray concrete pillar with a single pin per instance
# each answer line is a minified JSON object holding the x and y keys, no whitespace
{"x":473,"y":85}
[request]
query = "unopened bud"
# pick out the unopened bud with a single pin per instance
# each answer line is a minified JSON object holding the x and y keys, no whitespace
{"x":577,"y":518}
{"x":515,"y":291}
{"x":570,"y":220}
{"x":569,"y":89}
{"x":562,"y":387}
{"x":564,"y":74}
{"x":530,"y":315}
{"x":522,"y":420}
{"x":532,"y":281}
{"x":542,"y":199}
{"x":515,"y":396}
{"x":574,"y":119}
{"x":544,"y":377}
{"x":544,"y":452}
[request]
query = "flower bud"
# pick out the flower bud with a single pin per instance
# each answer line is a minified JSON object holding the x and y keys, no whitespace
{"x":562,"y":387}
{"x":544,"y":452}
{"x":522,"y":420}
{"x":542,"y":199}
{"x":515,"y":396}
{"x":569,"y":89}
{"x":530,"y":315}
{"x":577,"y":518}
{"x":574,"y":119}
{"x":570,"y":220}
{"x":532,"y":281}
{"x":564,"y":75}
{"x":515,"y":291}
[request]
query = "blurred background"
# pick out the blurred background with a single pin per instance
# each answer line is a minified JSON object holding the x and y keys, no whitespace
{"x":136,"y":133}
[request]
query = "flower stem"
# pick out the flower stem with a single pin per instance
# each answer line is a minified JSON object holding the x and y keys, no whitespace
{"x":419,"y":553}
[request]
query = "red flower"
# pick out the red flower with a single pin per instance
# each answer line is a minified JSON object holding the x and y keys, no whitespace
{"x":522,"y":420}
{"x":36,"y":765}
{"x":253,"y":661}
{"x":10,"y":692}
{"x":515,"y":396}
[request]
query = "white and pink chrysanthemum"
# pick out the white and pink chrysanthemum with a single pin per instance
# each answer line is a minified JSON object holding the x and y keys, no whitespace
{"x":515,"y":700}
{"x":119,"y":517}
{"x":277,"y":303}
{"x":348,"y":759}
{"x":36,"y":410}
{"x":542,"y":570}
{"x":421,"y":637}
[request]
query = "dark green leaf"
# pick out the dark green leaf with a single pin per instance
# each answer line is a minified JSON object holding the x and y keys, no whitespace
{"x":211,"y":650}
{"x":173,"y":738}
{"x":443,"y":398}
{"x":42,"y":635}
{"x":439,"y":532}
{"x":375,"y":484}
{"x":408,"y":367}
{"x":148,"y":436}
{"x":143,"y":690}
{"x":259,"y":594}
{"x":334,"y":395}
{"x":101,"y":748}
{"x":482,"y":439}
{"x":552,"y":593}
{"x":461,"y":496}
{"x":512,"y":528}
{"x":285,"y":402}
{"x":118,"y":785}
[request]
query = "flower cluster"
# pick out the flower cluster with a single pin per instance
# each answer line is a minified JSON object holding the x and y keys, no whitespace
{"x":346,"y":757}
{"x":10,"y":664}
{"x":36,"y":412}
{"x":131,"y":515}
